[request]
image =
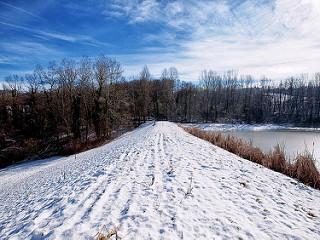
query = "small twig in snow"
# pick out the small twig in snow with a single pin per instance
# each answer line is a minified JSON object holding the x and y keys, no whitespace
{"x":189,"y":190}
{"x":152,"y":180}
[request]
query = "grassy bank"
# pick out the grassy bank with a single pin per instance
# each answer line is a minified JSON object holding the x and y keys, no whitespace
{"x":302,"y":168}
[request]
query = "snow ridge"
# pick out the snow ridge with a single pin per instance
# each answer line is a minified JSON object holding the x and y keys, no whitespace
{"x":157,"y":182}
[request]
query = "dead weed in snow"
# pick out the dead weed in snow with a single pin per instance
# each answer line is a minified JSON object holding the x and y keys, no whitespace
{"x":111,"y":234}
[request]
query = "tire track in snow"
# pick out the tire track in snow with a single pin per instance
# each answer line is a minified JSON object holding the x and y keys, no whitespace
{"x":114,"y":203}
{"x":114,"y":196}
{"x":76,"y":208}
{"x":73,"y":214}
{"x":171,"y":196}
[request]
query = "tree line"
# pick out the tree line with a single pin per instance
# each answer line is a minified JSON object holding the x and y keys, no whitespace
{"x":228,"y":96}
{"x":76,"y":103}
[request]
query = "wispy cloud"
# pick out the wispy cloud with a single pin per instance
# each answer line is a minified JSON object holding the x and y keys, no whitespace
{"x":19,"y":9}
{"x":6,"y":59}
{"x":83,"y":39}
{"x":25,"y":48}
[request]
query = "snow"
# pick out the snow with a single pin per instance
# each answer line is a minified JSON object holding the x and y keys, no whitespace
{"x":156,"y":182}
{"x":249,"y":127}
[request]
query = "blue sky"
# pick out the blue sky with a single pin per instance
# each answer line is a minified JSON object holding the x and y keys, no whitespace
{"x":275,"y":38}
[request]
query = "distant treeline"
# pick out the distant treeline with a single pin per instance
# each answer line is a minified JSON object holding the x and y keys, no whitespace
{"x":76,"y":103}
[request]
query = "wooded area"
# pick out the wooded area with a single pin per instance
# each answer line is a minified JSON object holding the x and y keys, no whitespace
{"x":71,"y":105}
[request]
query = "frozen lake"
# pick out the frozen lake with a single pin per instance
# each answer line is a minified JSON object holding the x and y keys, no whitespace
{"x":295,"y":140}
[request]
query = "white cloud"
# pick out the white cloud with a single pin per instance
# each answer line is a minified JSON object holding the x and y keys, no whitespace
{"x":136,"y":11}
{"x":274,"y":38}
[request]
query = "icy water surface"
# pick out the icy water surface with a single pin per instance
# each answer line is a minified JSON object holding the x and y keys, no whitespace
{"x":294,"y":140}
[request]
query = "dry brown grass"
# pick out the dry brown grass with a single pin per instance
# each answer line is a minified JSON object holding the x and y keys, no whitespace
{"x":305,"y":170}
{"x":303,"y":167}
{"x":231,"y":144}
{"x":111,"y":234}
{"x":276,"y":160}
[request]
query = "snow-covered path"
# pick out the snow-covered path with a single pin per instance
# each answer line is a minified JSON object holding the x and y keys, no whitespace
{"x":157,"y":182}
